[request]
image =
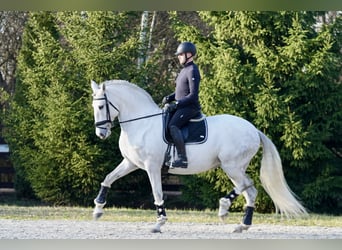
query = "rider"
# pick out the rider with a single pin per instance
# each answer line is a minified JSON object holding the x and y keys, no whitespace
{"x":184,"y":102}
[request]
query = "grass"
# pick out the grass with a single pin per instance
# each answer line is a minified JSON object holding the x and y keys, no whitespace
{"x":16,"y":212}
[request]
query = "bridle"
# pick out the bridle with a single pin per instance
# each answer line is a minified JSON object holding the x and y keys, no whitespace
{"x":108,"y":117}
{"x":108,"y":120}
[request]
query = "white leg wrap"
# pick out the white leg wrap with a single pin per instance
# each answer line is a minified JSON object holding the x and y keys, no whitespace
{"x":224,"y":207}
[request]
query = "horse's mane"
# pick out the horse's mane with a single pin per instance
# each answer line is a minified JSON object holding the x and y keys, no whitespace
{"x":129,"y":85}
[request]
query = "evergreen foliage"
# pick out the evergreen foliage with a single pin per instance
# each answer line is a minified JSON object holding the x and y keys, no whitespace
{"x":54,"y":147}
{"x":278,"y":71}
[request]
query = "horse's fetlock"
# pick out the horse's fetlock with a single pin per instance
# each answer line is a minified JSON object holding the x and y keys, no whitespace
{"x":162,"y":219}
{"x":98,"y":204}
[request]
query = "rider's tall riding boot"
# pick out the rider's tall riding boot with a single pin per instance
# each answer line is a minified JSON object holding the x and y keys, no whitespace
{"x":177,"y":136}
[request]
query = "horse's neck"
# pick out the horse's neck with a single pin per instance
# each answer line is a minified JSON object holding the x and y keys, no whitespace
{"x":132,"y":102}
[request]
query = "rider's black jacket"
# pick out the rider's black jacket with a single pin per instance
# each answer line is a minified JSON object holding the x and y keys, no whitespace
{"x":187,"y":87}
{"x":186,"y":96}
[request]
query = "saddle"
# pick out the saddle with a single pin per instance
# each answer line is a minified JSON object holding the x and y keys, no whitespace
{"x":195,"y":132}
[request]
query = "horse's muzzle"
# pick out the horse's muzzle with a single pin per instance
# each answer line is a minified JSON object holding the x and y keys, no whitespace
{"x":103,"y":133}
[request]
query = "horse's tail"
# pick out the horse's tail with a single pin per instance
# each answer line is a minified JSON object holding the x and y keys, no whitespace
{"x":274,"y":183}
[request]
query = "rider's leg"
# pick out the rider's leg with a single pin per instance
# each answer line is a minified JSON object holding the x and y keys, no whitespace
{"x":178,"y":140}
{"x":179,"y":119}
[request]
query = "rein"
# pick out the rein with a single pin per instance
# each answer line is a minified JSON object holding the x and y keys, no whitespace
{"x":108,"y":120}
{"x":142,"y":117}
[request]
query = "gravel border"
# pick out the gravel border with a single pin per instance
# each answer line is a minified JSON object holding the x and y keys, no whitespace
{"x":59,"y":229}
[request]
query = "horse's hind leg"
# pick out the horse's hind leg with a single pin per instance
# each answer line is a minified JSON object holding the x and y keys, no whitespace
{"x":250,"y":195}
{"x":243,"y":184}
{"x":124,"y":168}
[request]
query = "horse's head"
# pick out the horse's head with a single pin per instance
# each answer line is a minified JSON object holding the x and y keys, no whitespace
{"x":104,"y":111}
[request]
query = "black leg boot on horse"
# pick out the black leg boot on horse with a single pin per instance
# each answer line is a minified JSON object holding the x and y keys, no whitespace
{"x":177,"y":136}
{"x":100,"y":202}
{"x":101,"y":197}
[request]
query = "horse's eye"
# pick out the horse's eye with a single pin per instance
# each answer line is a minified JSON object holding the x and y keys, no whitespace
{"x":101,"y":107}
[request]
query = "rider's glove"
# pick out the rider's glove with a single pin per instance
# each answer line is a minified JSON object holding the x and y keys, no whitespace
{"x":165,"y":100}
{"x":171,"y":107}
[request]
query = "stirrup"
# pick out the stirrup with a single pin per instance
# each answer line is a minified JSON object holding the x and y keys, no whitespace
{"x":179,"y":163}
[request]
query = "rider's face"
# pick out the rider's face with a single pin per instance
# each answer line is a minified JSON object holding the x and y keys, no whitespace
{"x":184,"y":59}
{"x":181,"y":58}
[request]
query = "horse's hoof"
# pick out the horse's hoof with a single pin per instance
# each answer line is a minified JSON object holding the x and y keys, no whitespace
{"x":161,"y":220}
{"x":240,"y":228}
{"x":98,"y":211}
{"x":97,"y":216}
{"x":155,"y":230}
{"x":223,"y":217}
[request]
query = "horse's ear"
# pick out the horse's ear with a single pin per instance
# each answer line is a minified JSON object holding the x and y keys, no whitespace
{"x":94,"y":86}
{"x":103,"y":86}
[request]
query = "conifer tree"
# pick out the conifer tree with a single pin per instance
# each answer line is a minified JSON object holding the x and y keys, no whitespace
{"x":51,"y":132}
{"x":277,"y":70}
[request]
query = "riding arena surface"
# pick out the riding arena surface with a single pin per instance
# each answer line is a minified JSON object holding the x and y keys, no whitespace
{"x":67,"y":229}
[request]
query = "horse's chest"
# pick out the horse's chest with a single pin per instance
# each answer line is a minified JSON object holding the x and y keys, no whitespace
{"x":132,"y":149}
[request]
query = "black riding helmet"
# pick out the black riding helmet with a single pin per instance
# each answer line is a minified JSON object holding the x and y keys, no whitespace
{"x":186,"y":47}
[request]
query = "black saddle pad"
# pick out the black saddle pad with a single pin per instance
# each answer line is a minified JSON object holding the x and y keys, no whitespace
{"x":195,"y":132}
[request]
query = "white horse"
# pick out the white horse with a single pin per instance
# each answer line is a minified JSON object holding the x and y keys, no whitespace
{"x":231,"y":144}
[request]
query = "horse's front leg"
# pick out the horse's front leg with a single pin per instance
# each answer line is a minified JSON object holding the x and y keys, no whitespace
{"x":124,"y":168}
{"x":154,"y":174}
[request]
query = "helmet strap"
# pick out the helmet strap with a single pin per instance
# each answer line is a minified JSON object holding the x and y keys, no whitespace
{"x":187,"y":58}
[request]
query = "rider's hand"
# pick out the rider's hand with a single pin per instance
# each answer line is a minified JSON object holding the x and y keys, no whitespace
{"x":165,"y":100}
{"x":171,"y":107}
